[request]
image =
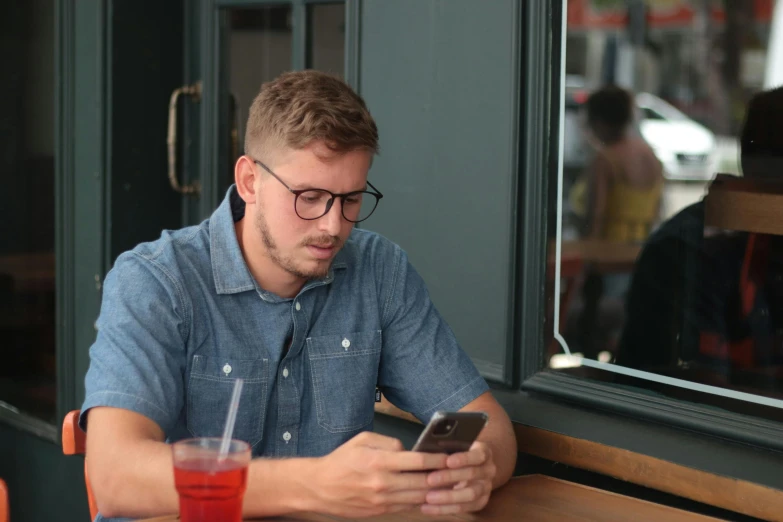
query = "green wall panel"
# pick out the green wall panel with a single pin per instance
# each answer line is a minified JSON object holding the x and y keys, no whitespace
{"x":89,"y":171}
{"x":441,"y":79}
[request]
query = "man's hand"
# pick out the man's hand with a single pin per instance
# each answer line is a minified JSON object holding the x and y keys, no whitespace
{"x":466,"y":483}
{"x":371,"y":475}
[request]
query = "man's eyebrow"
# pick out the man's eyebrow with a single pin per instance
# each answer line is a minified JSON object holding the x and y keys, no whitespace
{"x":304,"y":186}
{"x":300,"y":186}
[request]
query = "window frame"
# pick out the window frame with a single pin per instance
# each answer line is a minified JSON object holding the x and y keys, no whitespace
{"x":209,"y":55}
{"x":79,"y":148}
{"x":308,"y":55}
{"x":542,"y":75}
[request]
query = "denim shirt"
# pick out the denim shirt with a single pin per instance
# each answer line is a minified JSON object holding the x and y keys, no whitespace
{"x":182,"y":317}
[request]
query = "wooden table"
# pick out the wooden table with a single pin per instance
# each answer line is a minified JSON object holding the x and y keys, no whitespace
{"x":535,"y":498}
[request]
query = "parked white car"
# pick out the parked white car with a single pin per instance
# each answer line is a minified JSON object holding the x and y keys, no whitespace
{"x":686,"y":148}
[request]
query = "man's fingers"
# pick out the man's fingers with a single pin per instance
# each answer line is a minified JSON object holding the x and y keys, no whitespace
{"x":478,"y":454}
{"x":397,"y":508}
{"x":459,"y":501}
{"x":471,"y":493}
{"x":453,"y":509}
{"x":409,"y":498}
{"x":446,"y":477}
{"x":450,"y":509}
{"x":412,"y":461}
{"x":405,"y":481}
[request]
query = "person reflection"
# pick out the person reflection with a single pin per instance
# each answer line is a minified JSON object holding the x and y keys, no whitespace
{"x":625,"y":181}
{"x":708,"y":304}
{"x":625,"y":176}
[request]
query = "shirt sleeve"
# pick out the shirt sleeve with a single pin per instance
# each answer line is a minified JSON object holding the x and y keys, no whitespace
{"x":423,"y":368}
{"x":138,"y":359}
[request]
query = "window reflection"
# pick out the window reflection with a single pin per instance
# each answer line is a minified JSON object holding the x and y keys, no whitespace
{"x":660,"y":96}
{"x":326,"y":37}
{"x":27,"y":269}
{"x":257,"y":46}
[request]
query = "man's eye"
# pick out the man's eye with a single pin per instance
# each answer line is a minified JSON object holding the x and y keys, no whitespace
{"x":311,"y":198}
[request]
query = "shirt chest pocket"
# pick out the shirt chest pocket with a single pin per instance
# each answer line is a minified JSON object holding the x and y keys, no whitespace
{"x":344,"y":372}
{"x":210,"y":385}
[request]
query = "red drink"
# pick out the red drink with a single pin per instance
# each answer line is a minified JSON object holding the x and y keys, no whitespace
{"x":210,"y":489}
{"x":209,"y":492}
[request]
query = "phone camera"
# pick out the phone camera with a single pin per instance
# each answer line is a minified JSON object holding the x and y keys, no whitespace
{"x":444,"y":428}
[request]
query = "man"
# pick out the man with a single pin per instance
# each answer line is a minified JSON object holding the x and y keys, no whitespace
{"x":278,"y":288}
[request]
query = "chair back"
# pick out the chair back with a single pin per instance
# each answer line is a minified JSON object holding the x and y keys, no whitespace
{"x":74,"y":443}
{"x":4,"y":515}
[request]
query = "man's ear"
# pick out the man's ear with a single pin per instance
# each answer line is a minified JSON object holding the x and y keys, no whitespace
{"x":245,"y":175}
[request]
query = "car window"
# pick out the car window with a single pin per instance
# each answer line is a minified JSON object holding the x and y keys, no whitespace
{"x":650,"y":114}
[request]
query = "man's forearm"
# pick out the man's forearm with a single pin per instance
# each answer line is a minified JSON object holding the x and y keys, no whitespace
{"x":505,"y":459}
{"x":275,"y":487}
{"x":138,"y":484}
{"x":500,"y":438}
{"x":498,"y":435}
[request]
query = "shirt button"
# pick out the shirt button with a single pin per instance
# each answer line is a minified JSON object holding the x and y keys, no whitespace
{"x":285,"y":372}
{"x":346,"y":343}
{"x":227,"y":369}
{"x":286,"y":436}
{"x":298,"y":306}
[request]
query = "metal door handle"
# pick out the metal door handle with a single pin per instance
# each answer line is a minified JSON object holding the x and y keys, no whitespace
{"x":194,"y":91}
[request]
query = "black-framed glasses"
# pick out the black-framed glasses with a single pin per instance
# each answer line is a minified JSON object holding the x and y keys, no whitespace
{"x":312,"y":204}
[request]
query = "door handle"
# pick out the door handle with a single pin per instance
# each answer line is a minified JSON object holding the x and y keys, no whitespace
{"x":194,"y":91}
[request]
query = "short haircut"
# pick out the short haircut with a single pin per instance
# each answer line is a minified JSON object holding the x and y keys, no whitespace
{"x":300,"y":107}
{"x":612,"y":106}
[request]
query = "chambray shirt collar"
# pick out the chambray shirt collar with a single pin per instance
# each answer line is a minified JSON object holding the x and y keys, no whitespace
{"x":229,"y":269}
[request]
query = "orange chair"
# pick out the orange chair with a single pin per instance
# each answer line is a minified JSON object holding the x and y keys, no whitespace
{"x":4,"y":517}
{"x":74,"y":443}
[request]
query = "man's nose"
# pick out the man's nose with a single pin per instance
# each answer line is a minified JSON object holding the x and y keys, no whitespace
{"x":332,"y":221}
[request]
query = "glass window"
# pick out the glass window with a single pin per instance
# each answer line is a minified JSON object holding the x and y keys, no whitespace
{"x":660,"y":278}
{"x":651,"y":114}
{"x":326,"y":37}
{"x":27,"y":268}
{"x":257,"y":46}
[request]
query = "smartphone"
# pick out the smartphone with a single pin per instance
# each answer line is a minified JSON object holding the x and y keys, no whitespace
{"x":451,"y":431}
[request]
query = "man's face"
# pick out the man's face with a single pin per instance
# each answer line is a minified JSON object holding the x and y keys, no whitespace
{"x":306,"y":248}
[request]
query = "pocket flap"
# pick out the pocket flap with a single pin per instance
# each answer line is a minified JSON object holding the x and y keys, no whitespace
{"x":345,"y":345}
{"x":251,"y":370}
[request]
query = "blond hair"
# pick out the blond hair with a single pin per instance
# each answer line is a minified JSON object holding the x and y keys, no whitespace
{"x":298,"y":108}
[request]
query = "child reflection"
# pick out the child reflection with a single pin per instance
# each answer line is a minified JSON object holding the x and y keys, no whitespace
{"x":707,"y":305}
{"x":625,"y":176}
{"x":624,"y":184}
